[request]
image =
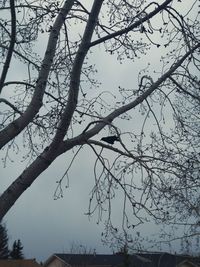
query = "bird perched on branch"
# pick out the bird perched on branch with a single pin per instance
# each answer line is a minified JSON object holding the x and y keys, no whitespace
{"x":110,"y":139}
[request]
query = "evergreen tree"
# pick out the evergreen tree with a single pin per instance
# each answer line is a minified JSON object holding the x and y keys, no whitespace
{"x":4,"y":251}
{"x":17,"y":248}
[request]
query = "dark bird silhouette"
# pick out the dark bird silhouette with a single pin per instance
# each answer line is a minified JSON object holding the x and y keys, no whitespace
{"x":110,"y":139}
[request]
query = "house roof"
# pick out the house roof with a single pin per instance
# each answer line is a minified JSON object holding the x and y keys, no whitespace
{"x":19,"y":263}
{"x":87,"y":259}
{"x":188,"y":264}
{"x":118,"y":260}
{"x":139,"y":260}
{"x":91,"y":259}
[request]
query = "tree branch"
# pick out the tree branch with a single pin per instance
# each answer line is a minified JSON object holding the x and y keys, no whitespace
{"x":183,"y":90}
{"x":116,"y":113}
{"x":21,"y":56}
{"x":3,"y":100}
{"x":133,"y":26}
{"x":75,"y":75}
{"x":12,"y":44}
{"x":14,"y":128}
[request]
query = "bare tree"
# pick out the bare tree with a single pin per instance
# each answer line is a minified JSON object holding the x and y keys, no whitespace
{"x":152,"y":153}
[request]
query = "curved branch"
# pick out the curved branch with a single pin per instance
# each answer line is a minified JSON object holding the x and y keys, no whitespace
{"x":183,"y":90}
{"x":11,"y":46}
{"x":33,"y":86}
{"x":131,"y":27}
{"x":28,"y":176}
{"x":14,"y":128}
{"x":75,"y":75}
{"x":3,"y":100}
{"x":42,"y":162}
{"x":22,"y":56}
{"x":101,"y":124}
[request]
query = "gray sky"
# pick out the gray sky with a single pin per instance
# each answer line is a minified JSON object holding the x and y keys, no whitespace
{"x":46,"y":226}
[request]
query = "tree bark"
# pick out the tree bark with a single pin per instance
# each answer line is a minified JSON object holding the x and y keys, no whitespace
{"x":17,"y":188}
{"x":18,"y":125}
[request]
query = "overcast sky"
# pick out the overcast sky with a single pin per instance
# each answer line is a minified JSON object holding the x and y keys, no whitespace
{"x":46,"y":226}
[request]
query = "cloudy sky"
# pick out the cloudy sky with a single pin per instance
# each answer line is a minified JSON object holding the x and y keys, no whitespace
{"x":46,"y":226}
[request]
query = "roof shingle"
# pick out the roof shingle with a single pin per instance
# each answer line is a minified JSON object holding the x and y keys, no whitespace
{"x":118,"y":260}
